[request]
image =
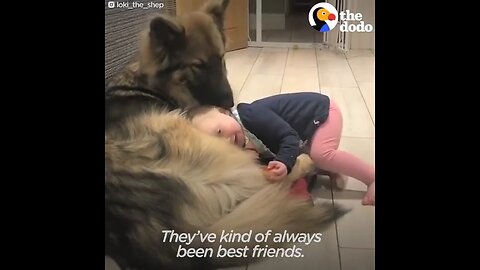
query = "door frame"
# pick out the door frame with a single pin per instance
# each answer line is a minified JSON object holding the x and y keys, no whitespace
{"x":258,"y":37}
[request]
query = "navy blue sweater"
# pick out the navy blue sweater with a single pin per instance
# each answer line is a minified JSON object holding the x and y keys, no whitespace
{"x":282,"y":121}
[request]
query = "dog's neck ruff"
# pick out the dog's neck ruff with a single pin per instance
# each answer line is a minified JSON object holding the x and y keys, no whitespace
{"x":125,"y":90}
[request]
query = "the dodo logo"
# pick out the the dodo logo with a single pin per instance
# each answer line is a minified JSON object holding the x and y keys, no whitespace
{"x":323,"y":17}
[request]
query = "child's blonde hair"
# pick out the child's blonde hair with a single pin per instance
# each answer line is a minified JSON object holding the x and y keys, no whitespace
{"x":202,"y":109}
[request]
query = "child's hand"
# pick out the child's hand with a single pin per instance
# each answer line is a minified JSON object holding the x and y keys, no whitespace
{"x":276,"y":171}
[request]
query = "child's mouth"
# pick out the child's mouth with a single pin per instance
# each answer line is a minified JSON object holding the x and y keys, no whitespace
{"x":235,"y":139}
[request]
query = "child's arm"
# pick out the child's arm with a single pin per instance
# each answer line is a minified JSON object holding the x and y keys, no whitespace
{"x":271,"y":129}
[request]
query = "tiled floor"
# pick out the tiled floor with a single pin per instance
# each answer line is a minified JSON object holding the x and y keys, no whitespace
{"x":349,"y":79}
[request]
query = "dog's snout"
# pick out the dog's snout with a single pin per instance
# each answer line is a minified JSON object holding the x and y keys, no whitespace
{"x":226,"y":98}
{"x":228,"y":103}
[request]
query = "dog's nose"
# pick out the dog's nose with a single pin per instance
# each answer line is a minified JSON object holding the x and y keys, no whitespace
{"x":331,"y":17}
{"x":226,"y":101}
{"x":228,"y":104}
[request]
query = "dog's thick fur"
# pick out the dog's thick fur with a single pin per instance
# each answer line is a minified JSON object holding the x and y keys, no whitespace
{"x":163,"y":174}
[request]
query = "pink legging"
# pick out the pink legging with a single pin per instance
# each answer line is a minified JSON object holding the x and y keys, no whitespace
{"x":324,"y":150}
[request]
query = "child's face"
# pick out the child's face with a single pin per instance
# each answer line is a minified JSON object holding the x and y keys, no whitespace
{"x":221,"y":125}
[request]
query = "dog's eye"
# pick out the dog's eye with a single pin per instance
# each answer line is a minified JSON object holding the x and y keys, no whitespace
{"x":183,"y":80}
{"x":199,"y":64}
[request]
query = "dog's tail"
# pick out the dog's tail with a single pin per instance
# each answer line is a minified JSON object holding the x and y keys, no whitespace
{"x":275,"y":210}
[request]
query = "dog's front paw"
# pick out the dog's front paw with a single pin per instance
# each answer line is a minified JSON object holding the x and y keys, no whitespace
{"x":305,"y":164}
{"x":303,"y":167}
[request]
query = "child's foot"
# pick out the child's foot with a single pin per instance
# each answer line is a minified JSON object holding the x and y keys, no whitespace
{"x":369,"y":198}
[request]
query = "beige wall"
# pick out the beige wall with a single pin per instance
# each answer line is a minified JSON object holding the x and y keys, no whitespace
{"x":273,"y":14}
{"x":364,"y":40}
{"x":356,"y":40}
{"x":269,"y":6}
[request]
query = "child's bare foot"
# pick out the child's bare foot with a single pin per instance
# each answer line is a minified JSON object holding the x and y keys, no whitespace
{"x":369,"y":198}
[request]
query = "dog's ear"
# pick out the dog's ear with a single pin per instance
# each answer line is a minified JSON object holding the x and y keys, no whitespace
{"x":166,"y":31}
{"x":216,"y":9}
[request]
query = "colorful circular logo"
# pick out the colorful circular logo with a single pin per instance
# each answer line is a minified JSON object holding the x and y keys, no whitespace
{"x":323,"y":17}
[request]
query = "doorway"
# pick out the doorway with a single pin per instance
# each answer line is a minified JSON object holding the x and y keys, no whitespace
{"x":282,"y":23}
{"x":235,"y":24}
